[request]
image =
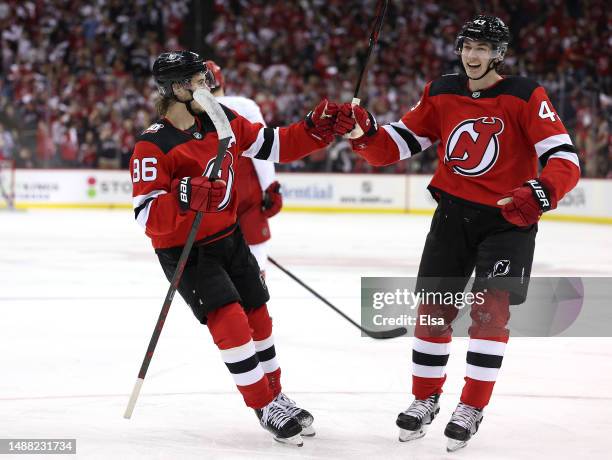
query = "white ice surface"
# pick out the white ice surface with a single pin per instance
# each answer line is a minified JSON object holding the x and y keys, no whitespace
{"x":80,"y":293}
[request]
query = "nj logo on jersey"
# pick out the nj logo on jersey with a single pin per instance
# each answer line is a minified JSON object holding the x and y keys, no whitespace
{"x":226,"y":173}
{"x":473,"y":146}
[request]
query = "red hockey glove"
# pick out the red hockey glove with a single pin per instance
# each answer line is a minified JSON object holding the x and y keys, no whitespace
{"x":525,"y":205}
{"x":320,"y":122}
{"x":272,"y":200}
{"x":199,"y":193}
{"x":354,"y":121}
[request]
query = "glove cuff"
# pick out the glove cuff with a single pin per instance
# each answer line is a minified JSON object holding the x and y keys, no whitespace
{"x":371,"y":130}
{"x":184,"y":193}
{"x":541,"y":194}
{"x":308,"y":120}
{"x":373,"y":125}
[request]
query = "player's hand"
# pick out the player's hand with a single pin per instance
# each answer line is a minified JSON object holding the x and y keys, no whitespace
{"x":272,"y":200}
{"x":353,"y":122}
{"x":320,"y":122}
{"x":199,"y":193}
{"x":525,"y":205}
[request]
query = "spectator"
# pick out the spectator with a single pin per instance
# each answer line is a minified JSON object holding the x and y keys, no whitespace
{"x":73,"y":66}
{"x":86,"y":59}
{"x":45,"y":147}
{"x":7,"y":144}
{"x":108,"y":156}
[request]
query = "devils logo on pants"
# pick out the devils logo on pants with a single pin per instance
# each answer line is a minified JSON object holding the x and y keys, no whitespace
{"x":472,"y":148}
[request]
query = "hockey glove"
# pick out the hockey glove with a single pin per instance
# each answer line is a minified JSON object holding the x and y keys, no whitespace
{"x":199,"y":193}
{"x":272,"y":200}
{"x":354,"y":121}
{"x":525,"y":205}
{"x":320,"y":122}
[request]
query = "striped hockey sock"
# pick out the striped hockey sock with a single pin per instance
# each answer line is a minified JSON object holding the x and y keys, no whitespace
{"x":488,"y":338}
{"x":429,"y":359}
{"x":430,"y":351}
{"x":231,"y":333}
{"x":261,"y":332}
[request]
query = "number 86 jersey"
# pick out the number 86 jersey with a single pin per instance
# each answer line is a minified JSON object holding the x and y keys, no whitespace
{"x":164,"y":153}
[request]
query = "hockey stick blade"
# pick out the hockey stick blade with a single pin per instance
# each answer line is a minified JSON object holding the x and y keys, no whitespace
{"x":388,"y":334}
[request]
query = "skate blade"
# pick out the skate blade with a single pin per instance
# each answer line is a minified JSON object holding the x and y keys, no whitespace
{"x":454,"y":445}
{"x":308,"y":431}
{"x":407,"y":435}
{"x":292,"y":441}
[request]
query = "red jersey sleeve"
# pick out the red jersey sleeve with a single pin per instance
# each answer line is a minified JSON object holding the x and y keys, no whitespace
{"x":552,"y":143}
{"x":414,"y":132}
{"x":155,"y":208}
{"x":280,"y":145}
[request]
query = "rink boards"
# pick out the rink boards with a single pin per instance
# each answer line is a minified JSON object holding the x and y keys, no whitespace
{"x":317,"y":192}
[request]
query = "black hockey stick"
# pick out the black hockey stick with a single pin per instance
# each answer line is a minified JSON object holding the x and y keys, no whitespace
{"x":381,"y":9}
{"x":389,"y":334}
{"x":224,"y":132}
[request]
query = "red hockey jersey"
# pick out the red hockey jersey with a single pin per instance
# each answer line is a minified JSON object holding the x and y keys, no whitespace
{"x":163,"y":153}
{"x":490,"y":140}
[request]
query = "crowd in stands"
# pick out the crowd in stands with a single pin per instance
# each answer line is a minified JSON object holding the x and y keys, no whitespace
{"x":75,"y":86}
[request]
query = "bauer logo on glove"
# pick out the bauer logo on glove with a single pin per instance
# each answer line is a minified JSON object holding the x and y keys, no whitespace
{"x":525,"y":205}
{"x":199,"y":193}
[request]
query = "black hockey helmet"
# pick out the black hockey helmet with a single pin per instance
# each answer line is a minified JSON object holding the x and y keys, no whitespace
{"x":488,"y":29}
{"x":176,"y":67}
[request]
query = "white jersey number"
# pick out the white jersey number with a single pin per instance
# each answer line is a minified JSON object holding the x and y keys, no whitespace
{"x":545,"y":112}
{"x":146,"y":173}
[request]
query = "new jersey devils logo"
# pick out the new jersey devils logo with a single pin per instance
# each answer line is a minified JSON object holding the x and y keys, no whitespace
{"x":226,"y":173}
{"x":473,"y":147}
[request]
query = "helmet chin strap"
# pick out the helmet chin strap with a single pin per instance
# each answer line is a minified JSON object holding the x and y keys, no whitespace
{"x":189,"y":109}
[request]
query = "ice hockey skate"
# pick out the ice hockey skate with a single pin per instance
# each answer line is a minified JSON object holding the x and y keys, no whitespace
{"x":303,"y":417}
{"x":463,"y":425}
{"x":285,"y":428}
{"x":413,"y":421}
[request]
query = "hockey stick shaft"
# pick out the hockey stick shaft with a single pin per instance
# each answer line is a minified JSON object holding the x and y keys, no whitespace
{"x":389,"y":334}
{"x":223,"y":129}
{"x":176,"y":279}
{"x":381,"y":9}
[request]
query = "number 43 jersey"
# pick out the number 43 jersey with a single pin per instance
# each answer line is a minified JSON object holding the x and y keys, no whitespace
{"x":164,"y":153}
{"x":490,"y":140}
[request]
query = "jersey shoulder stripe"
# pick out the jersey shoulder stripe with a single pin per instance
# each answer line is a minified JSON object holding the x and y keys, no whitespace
{"x":457,"y":84}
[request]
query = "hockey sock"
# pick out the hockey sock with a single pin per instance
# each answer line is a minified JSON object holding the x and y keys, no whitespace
{"x":488,"y":338}
{"x":429,"y":360}
{"x":261,"y":332}
{"x":231,"y":333}
{"x":430,"y":350}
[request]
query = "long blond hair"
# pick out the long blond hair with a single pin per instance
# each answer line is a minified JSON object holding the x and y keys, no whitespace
{"x":162,"y":104}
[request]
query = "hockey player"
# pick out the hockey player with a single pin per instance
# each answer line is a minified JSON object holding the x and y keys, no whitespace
{"x":221,"y":282}
{"x":259,"y":196}
{"x":491,"y":132}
